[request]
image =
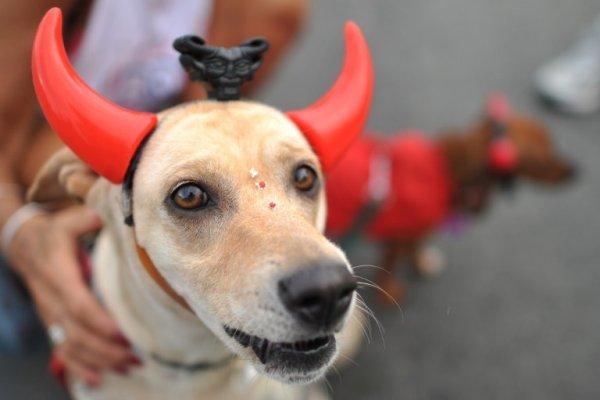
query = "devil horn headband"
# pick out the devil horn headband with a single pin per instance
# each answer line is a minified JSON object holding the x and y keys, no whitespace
{"x":333,"y":122}
{"x":106,"y":136}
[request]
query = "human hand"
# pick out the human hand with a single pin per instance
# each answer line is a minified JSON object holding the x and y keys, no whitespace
{"x":44,"y":254}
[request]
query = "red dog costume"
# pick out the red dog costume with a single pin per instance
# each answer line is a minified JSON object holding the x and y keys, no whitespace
{"x":406,"y":178}
{"x":406,"y":175}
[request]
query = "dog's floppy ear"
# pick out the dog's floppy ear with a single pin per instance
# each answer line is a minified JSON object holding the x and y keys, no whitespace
{"x":64,"y":176}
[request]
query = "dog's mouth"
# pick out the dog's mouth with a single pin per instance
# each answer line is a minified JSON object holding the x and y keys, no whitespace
{"x":302,"y":356}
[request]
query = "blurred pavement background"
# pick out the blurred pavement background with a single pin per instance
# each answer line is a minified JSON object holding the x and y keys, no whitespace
{"x":515,"y":316}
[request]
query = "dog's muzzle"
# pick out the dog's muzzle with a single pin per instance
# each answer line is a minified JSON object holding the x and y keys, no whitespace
{"x":318,"y":297}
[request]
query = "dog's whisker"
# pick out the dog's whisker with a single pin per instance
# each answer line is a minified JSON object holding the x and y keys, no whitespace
{"x":362,"y":327}
{"x":365,"y":308}
{"x":370,"y":283}
{"x":350,"y":360}
{"x":368,"y":280}
{"x":371,"y":266}
{"x":377,"y":323}
{"x":361,"y":302}
{"x":329,"y":387}
{"x":337,"y":372}
{"x":362,"y":305}
{"x":367,"y":311}
{"x":368,"y":332}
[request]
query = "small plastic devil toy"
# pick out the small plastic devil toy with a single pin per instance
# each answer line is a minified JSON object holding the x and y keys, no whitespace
{"x":224,"y":69}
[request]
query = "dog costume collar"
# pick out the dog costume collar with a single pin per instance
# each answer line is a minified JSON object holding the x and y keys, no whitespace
{"x":502,"y":152}
{"x":106,"y":136}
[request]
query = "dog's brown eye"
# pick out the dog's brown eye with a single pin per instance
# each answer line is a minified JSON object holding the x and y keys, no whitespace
{"x":190,"y":196}
{"x":305,"y":178}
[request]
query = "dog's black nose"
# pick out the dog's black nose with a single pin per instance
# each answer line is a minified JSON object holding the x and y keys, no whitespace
{"x":318,"y":296}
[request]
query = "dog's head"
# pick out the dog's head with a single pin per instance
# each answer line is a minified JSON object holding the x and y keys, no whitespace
{"x":503,"y":147}
{"x":538,"y":159}
{"x":521,"y":146}
{"x":227,"y":199}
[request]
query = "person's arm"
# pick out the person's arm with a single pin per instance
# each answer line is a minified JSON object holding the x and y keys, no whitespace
{"x":16,"y":96}
{"x":234,"y":21}
{"x":42,"y":249}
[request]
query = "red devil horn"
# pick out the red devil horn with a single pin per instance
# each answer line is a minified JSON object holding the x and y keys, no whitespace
{"x":336,"y":119}
{"x":102,"y":134}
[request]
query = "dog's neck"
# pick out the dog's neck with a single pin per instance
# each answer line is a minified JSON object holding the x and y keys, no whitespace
{"x":142,"y":309}
{"x":466,"y":155}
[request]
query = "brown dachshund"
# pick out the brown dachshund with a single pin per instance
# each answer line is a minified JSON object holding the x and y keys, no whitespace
{"x":398,"y":190}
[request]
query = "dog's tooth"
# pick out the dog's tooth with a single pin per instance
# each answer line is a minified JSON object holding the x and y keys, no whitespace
{"x":264,"y":350}
{"x":267,"y":350}
{"x":241,"y":337}
{"x":230,"y":331}
{"x":245,"y":339}
{"x":258,"y":345}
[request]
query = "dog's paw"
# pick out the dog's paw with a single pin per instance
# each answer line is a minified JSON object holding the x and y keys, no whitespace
{"x":430,"y":262}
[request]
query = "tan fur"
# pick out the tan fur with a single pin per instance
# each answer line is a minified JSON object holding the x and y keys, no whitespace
{"x":224,"y":262}
{"x":63,"y":176}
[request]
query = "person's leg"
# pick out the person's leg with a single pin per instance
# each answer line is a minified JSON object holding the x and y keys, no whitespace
{"x":571,"y":83}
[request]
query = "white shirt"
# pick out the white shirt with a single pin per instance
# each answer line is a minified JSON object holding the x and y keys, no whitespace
{"x":126,"y":50}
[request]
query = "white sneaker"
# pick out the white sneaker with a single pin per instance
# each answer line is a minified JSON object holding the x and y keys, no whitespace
{"x":571,"y":83}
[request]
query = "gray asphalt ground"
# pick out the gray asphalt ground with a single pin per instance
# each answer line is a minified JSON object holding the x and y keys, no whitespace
{"x":515,"y":316}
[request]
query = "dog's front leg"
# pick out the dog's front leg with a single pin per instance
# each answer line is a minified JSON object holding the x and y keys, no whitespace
{"x":394,"y":253}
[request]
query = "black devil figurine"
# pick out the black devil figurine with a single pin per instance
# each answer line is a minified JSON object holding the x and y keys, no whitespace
{"x":224,"y":69}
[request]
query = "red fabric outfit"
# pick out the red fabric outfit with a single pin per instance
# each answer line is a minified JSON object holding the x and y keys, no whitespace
{"x":418,"y":192}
